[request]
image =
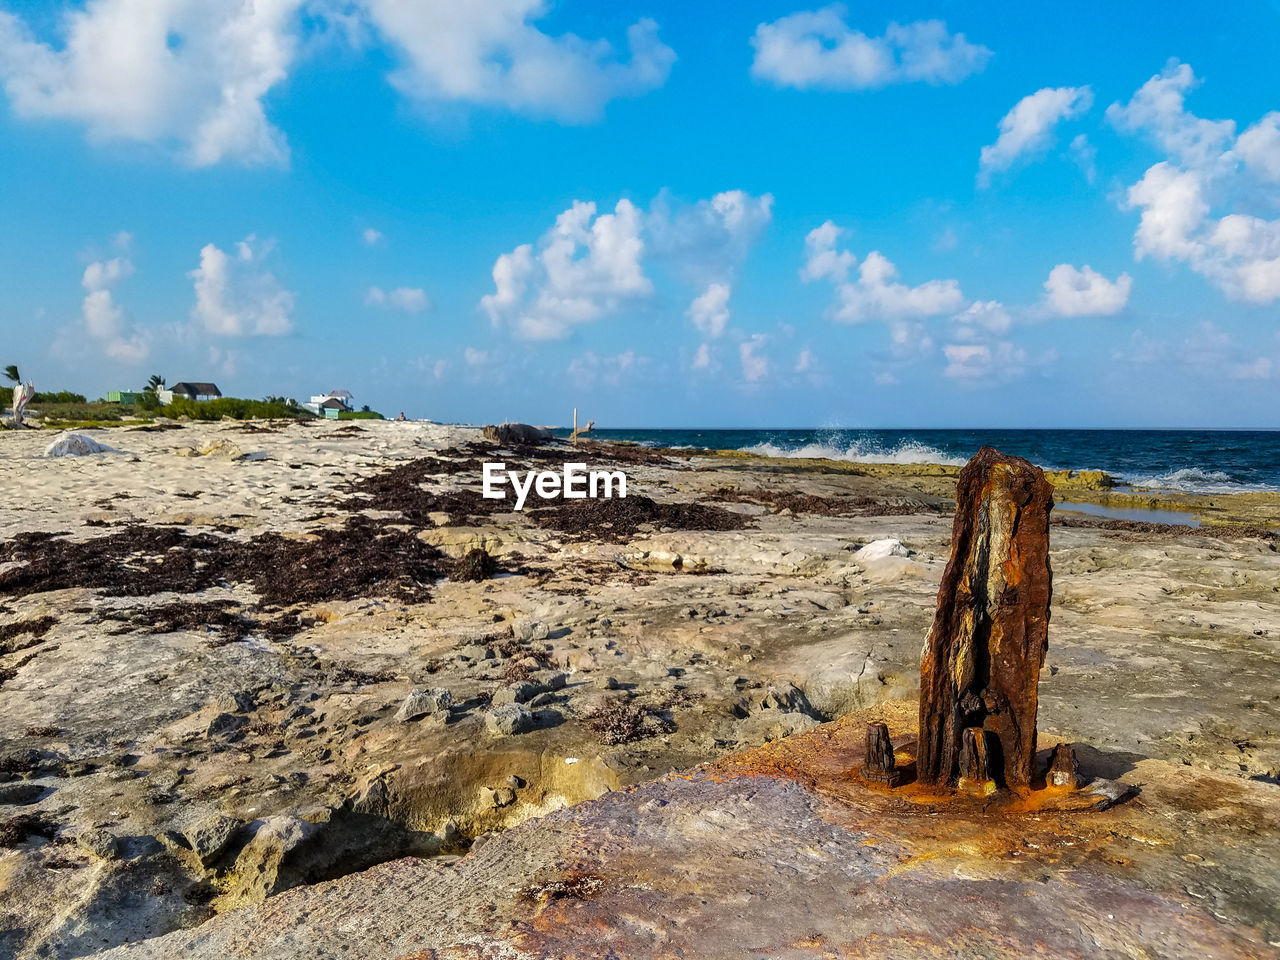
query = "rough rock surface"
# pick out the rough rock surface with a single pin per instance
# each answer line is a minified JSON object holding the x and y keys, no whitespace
{"x":671,"y":639}
{"x":777,"y":854}
{"x":982,"y":660}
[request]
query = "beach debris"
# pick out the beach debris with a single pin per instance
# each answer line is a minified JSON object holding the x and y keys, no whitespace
{"x":215,"y":450}
{"x":474,"y":566}
{"x":76,"y":445}
{"x":880,"y":549}
{"x":982,"y":659}
{"x":22,"y":395}
{"x":879,"y":765}
{"x":519,"y":433}
{"x":1064,"y":771}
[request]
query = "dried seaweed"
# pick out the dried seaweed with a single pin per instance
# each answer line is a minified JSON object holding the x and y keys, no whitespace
{"x":618,"y":519}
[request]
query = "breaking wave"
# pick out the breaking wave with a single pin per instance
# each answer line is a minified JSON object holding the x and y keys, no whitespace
{"x":860,"y":451}
{"x":1197,"y":480}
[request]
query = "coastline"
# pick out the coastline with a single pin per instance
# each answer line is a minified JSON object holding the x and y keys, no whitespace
{"x":222,"y":673}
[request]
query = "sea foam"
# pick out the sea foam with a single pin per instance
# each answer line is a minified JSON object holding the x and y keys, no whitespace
{"x":860,"y":451}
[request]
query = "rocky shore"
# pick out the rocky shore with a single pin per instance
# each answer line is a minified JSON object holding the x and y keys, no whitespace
{"x":239,"y":659}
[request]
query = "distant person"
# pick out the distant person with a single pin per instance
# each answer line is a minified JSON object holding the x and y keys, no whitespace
{"x":401,"y":418}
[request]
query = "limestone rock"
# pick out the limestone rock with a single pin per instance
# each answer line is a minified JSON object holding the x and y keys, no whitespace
{"x":508,"y":720}
{"x":422,"y":701}
{"x":209,"y":836}
{"x":879,"y":549}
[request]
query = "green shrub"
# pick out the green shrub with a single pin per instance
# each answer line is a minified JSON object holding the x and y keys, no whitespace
{"x":235,"y":408}
{"x":360,"y":415}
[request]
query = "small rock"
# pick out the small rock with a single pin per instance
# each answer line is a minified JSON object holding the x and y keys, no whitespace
{"x":542,"y":700}
{"x":238,"y":702}
{"x":226,"y":723}
{"x":209,"y":836}
{"x":501,"y":797}
{"x":508,"y":720}
{"x":555,"y":681}
{"x":525,"y":630}
{"x":100,"y":843}
{"x":880,"y":549}
{"x":476,"y":652}
{"x":421,"y":702}
{"x":606,"y":683}
{"x":516,"y":693}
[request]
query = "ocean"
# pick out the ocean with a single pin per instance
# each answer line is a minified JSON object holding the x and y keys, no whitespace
{"x":1186,"y":461}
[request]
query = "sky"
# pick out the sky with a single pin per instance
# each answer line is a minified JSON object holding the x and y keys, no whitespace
{"x":665,"y":214}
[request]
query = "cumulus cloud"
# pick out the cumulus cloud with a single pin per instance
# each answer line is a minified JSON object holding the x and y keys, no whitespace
{"x":818,"y":49}
{"x":975,"y":362}
{"x":707,"y":240}
{"x":710,"y":310}
{"x":754,"y":367}
{"x":1085,"y":292}
{"x":583,"y":268}
{"x":1207,"y":353}
{"x":1208,"y":169}
{"x":982,"y":317}
{"x":104,"y":320}
{"x":186,"y":73}
{"x":876,"y":293}
{"x":492,"y":54}
{"x":236,"y":297}
{"x":702,"y":357}
{"x":371,"y":237}
{"x":408,"y":299}
{"x":1028,"y":127}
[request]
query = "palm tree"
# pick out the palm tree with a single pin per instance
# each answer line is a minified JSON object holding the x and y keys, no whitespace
{"x":156,"y":383}
{"x":11,"y":373}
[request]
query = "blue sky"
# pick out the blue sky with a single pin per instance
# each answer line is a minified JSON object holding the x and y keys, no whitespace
{"x":870,"y":215}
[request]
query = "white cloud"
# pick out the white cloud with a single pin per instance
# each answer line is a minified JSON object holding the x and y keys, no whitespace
{"x":584,"y":268}
{"x":371,"y":237}
{"x":104,"y":320}
{"x":1259,"y":148}
{"x":979,"y":362}
{"x":708,"y":240}
{"x":804,"y":360}
{"x":754,"y":367}
{"x":1208,"y":168}
{"x":818,"y":49}
{"x":1085,"y":292}
{"x":1085,"y":154}
{"x":235,"y":297}
{"x":710,"y":311}
{"x":1158,"y":108}
{"x":876,"y":294}
{"x":982,"y":316}
{"x":1027,"y":128}
{"x":186,"y":73}
{"x":490,"y":54}
{"x":702,"y":358}
{"x":408,"y":299}
{"x":474,"y":357}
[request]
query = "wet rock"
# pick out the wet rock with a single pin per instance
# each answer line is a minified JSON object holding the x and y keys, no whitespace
{"x":421,"y":702}
{"x":982,"y":659}
{"x":508,"y":720}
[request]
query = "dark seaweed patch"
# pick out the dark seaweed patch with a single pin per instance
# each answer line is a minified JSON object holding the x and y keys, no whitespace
{"x":618,"y":519}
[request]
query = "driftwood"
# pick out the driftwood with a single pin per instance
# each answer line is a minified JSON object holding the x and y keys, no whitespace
{"x":517,"y":433}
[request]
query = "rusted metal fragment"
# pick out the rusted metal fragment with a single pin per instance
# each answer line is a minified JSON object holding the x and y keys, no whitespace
{"x":1064,"y":771}
{"x":879,"y":765}
{"x":975,"y":764}
{"x":982,"y":660}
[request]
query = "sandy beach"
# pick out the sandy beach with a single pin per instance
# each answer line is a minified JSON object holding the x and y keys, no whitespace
{"x":233,"y":673}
